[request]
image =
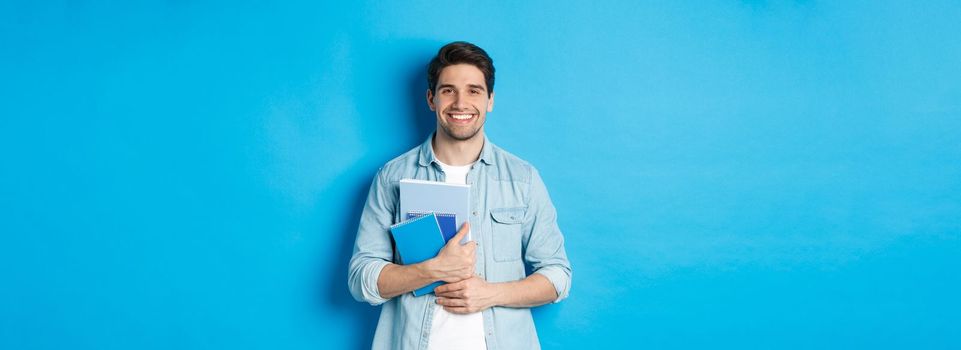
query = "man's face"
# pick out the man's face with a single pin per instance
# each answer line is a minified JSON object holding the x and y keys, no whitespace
{"x":461,"y":102}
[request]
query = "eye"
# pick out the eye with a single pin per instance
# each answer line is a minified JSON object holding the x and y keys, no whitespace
{"x":446,"y":91}
{"x":475,"y":91}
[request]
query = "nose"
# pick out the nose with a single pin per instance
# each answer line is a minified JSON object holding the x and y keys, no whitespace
{"x":456,"y":103}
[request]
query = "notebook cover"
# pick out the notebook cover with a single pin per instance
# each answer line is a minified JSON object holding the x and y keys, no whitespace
{"x":418,"y":240}
{"x":447,"y":222}
{"x":420,"y":196}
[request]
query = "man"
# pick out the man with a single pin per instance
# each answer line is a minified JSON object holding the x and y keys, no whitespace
{"x":486,"y":301}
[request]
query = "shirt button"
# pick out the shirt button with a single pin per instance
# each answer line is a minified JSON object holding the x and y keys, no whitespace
{"x":475,"y":213}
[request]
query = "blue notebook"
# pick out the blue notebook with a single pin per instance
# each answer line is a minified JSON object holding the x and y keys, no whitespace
{"x":447,"y":222}
{"x":421,"y":196}
{"x":418,"y":240}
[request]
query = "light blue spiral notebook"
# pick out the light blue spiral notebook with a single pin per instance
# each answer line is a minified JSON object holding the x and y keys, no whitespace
{"x":420,"y":196}
{"x":417,"y":240}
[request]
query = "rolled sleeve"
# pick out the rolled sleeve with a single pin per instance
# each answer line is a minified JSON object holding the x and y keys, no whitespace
{"x":363,"y":283}
{"x":372,"y":247}
{"x":545,"y":246}
{"x":560,"y":278}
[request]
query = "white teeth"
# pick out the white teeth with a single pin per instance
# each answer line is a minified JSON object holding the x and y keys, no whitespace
{"x":461,"y":116}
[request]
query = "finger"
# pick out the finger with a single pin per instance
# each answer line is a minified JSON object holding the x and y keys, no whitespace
{"x":452,"y":302}
{"x":460,"y":233}
{"x":469,"y":248}
{"x":443,"y":292}
{"x":459,"y":275}
{"x":453,"y":279}
{"x":457,"y":309}
{"x":456,"y":294}
{"x":450,"y":287}
{"x":444,"y":288}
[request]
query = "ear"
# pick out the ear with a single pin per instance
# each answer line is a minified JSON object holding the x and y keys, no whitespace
{"x":490,"y":103}
{"x":430,"y":100}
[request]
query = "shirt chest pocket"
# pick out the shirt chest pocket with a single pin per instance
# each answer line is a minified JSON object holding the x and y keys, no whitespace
{"x":506,"y":232}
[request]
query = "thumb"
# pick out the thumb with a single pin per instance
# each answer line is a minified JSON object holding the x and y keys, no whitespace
{"x":460,"y":234}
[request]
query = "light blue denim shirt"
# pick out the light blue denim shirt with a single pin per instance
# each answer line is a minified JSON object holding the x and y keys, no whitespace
{"x":513,"y":221}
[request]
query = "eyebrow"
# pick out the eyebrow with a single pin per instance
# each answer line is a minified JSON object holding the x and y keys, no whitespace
{"x":475,"y":86}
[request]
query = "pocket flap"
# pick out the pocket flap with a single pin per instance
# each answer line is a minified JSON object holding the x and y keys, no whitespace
{"x":509,"y":215}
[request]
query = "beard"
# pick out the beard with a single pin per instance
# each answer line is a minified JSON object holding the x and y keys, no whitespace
{"x":461,"y":132}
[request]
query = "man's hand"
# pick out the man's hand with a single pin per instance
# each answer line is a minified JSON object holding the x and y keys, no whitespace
{"x":468,"y":296}
{"x":455,"y":262}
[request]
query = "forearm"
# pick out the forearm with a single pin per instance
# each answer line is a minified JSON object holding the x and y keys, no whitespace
{"x":396,"y":279}
{"x":453,"y":263}
{"x":535,"y":290}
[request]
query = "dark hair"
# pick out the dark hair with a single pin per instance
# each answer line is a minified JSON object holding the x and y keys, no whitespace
{"x":461,"y":52}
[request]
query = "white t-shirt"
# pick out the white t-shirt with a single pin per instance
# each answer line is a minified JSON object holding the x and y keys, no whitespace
{"x":450,"y":330}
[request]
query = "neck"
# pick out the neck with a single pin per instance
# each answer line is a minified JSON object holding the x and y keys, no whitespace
{"x":454,"y":152}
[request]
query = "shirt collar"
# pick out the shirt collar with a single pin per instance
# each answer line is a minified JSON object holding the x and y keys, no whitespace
{"x":427,"y":155}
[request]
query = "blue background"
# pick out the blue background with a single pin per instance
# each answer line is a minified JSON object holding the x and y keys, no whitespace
{"x":728,"y":174}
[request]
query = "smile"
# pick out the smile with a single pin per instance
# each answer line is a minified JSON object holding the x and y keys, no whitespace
{"x":461,"y":117}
